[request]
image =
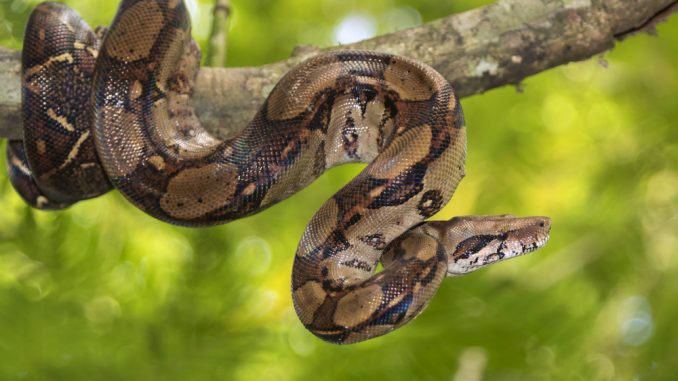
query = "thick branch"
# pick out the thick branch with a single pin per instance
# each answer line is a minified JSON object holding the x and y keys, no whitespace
{"x":478,"y":50}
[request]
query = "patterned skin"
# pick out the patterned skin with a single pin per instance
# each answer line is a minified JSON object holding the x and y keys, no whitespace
{"x":141,"y":134}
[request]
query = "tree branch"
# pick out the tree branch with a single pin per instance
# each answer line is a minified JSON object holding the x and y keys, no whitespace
{"x":495,"y":45}
{"x":218,"y":42}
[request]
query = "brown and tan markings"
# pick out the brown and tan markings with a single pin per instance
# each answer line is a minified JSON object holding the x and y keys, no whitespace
{"x":58,"y":64}
{"x":128,"y":121}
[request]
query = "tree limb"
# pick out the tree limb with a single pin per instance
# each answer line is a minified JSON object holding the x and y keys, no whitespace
{"x":216,"y":54}
{"x":495,"y":45}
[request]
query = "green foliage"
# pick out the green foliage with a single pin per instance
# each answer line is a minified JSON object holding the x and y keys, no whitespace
{"x":103,"y":292}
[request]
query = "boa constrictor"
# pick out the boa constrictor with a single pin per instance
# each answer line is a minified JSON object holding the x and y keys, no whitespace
{"x":118,"y":113}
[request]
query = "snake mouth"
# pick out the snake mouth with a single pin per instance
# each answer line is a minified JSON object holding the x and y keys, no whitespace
{"x":541,"y":241}
{"x":534,"y":246}
{"x":534,"y":236}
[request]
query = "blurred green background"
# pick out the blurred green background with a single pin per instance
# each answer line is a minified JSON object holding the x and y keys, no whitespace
{"x":103,"y":292}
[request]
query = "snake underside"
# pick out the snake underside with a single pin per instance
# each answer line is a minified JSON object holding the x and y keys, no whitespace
{"x":117,"y":113}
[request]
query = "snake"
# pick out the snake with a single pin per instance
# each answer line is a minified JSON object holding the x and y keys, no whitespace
{"x":111,"y":108}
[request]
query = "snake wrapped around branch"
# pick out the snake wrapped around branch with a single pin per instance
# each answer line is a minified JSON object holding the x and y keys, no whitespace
{"x":113,"y":109}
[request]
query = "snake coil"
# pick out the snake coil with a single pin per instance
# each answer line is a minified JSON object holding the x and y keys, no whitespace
{"x":117,"y":113}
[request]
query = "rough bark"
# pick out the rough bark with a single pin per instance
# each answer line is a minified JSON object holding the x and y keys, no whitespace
{"x":495,"y":45}
{"x":10,"y":93}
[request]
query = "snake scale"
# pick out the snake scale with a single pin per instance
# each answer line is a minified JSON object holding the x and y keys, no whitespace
{"x":113,"y":108}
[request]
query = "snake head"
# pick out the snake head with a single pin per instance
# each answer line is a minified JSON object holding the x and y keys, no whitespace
{"x":473,"y":242}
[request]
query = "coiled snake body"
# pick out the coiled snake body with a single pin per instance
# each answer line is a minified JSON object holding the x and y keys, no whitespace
{"x":118,"y":113}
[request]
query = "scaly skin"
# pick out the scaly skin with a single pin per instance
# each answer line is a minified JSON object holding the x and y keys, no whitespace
{"x":140,"y":133}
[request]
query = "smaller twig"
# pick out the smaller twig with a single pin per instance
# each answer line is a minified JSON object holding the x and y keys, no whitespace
{"x":218,"y":41}
{"x":650,"y":25}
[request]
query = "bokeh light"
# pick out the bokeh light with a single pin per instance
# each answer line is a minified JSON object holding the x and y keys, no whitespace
{"x":355,"y":28}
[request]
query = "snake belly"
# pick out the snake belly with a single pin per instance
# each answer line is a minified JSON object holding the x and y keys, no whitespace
{"x":142,"y":135}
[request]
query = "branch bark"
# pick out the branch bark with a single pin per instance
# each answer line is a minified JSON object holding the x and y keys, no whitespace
{"x":495,"y":45}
